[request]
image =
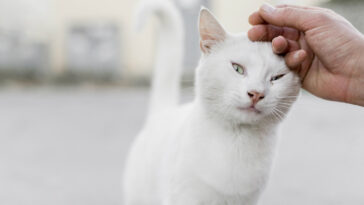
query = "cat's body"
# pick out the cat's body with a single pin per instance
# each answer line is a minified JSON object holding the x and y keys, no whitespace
{"x":218,"y":149}
{"x":190,"y":159}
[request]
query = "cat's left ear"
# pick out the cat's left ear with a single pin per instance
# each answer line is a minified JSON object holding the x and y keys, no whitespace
{"x":211,"y":32}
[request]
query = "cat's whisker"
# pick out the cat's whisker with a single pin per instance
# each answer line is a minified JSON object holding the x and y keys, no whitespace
{"x":287,"y":104}
{"x":280,"y":102}
{"x":276,"y":115}
{"x":281,"y":113}
{"x":284,"y":101}
{"x":283,"y":107}
{"x":284,"y":104}
{"x":287,"y":97}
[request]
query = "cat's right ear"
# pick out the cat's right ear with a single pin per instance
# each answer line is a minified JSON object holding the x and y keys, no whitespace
{"x":211,"y":32}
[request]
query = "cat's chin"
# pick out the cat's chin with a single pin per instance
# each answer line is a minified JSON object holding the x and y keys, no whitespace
{"x":247,"y":115}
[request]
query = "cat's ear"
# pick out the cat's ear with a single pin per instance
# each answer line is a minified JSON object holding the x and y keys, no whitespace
{"x":211,"y":32}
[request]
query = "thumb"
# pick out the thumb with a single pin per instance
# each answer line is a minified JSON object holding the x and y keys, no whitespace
{"x":301,"y":18}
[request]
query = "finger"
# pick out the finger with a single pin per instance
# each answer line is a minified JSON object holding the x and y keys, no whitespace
{"x":258,"y":33}
{"x":268,"y":32}
{"x":295,"y":59}
{"x":299,"y":18}
{"x":312,"y":8}
{"x":293,"y":46}
{"x":255,"y":18}
{"x":298,"y":7}
{"x":282,"y":45}
{"x":306,"y":65}
{"x":291,"y":33}
{"x":279,"y":45}
{"x":309,"y":78}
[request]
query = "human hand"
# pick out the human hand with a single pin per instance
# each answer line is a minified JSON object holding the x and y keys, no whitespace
{"x":322,"y":46}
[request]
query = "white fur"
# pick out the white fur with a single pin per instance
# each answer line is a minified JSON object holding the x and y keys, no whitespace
{"x":209,"y":151}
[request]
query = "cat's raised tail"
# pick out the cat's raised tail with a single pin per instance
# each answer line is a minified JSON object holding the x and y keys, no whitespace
{"x":169,"y":52}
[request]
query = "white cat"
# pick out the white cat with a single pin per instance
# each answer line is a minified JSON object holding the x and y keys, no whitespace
{"x":218,"y":149}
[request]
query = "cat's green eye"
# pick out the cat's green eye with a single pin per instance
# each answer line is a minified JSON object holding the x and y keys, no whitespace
{"x":238,"y":68}
{"x":277,"y":77}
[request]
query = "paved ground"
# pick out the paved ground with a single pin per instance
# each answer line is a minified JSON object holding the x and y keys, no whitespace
{"x":67,"y":147}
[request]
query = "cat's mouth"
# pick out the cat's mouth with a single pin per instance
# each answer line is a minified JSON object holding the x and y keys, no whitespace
{"x":251,"y":109}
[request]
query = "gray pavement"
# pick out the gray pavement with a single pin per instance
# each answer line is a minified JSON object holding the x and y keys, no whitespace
{"x":67,"y":147}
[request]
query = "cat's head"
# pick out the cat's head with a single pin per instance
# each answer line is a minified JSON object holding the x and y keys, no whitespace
{"x":242,"y":81}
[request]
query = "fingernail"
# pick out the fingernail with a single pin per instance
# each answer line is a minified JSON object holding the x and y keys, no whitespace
{"x":266,"y":7}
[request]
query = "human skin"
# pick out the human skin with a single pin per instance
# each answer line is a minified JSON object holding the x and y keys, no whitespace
{"x":324,"y":48}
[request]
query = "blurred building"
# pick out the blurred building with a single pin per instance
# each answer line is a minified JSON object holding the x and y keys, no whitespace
{"x":96,"y":37}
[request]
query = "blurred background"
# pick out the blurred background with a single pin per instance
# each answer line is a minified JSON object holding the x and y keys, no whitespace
{"x":74,"y":79}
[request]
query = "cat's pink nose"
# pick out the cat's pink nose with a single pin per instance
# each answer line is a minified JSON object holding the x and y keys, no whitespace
{"x":255,"y":96}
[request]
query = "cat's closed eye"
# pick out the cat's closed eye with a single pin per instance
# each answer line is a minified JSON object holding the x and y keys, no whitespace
{"x":277,"y":77}
{"x":238,"y":68}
